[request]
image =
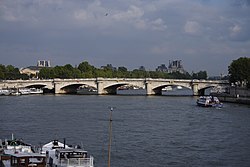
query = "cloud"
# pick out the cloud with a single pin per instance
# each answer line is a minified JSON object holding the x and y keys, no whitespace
{"x":133,"y":13}
{"x":192,"y":27}
{"x":236,"y":29}
{"x":96,"y":15}
{"x":145,"y":30}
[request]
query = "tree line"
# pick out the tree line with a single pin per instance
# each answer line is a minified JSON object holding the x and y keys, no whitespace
{"x":85,"y":70}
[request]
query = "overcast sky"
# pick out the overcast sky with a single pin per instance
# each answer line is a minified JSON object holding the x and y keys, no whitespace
{"x":204,"y":34}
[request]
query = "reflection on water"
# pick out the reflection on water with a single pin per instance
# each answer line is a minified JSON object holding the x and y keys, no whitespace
{"x":167,"y":91}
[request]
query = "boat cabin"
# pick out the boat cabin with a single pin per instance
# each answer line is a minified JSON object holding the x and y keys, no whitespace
{"x":69,"y":157}
{"x":26,"y":160}
{"x":70,"y":153}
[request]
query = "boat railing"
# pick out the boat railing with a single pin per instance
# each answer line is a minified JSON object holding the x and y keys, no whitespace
{"x":78,"y":162}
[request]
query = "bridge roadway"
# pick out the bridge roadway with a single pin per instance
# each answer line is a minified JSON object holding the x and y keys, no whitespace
{"x":109,"y":85}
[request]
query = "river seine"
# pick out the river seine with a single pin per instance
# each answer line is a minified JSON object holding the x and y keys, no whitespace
{"x":148,"y":131}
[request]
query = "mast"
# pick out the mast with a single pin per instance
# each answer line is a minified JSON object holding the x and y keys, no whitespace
{"x":110,"y":136}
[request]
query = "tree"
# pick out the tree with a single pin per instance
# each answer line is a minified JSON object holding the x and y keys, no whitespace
{"x":46,"y":73}
{"x":87,"y":70}
{"x":178,"y":75}
{"x":85,"y":67}
{"x":239,"y":72}
{"x":2,"y":71}
{"x":200,"y":75}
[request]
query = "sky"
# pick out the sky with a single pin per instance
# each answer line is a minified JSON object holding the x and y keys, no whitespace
{"x":205,"y":34}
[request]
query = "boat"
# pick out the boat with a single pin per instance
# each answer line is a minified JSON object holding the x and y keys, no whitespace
{"x":23,"y":159}
{"x":24,"y":91}
{"x":52,"y":145}
{"x":4,"y":92}
{"x":36,"y":91}
{"x":209,"y":101}
{"x":167,"y":88}
{"x":86,"y":90}
{"x":15,"y":92}
{"x":61,"y":155}
{"x":179,"y":87}
{"x":15,"y":145}
{"x":17,"y":153}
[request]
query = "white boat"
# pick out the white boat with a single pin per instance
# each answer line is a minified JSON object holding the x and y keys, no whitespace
{"x":4,"y":92}
{"x":15,"y":145}
{"x":167,"y":88}
{"x":36,"y":91}
{"x":52,"y":146}
{"x":209,"y":101}
{"x":24,"y":91}
{"x":61,"y":155}
{"x":179,"y":87}
{"x":15,"y":93}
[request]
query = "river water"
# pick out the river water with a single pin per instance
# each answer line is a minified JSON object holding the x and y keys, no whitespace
{"x":148,"y":131}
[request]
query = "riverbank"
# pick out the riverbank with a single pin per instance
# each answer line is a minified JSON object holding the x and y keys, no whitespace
{"x":239,"y":100}
{"x":235,"y":95}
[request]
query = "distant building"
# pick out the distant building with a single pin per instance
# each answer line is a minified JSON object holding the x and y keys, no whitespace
{"x":162,"y":68}
{"x":142,"y":68}
{"x":43,"y":63}
{"x":176,"y":66}
{"x":108,"y":66}
{"x":33,"y":71}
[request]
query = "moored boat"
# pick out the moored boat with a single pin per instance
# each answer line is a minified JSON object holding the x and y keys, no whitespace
{"x":5,"y":92}
{"x":24,"y":91}
{"x":36,"y":91}
{"x":17,"y":153}
{"x":24,"y":159}
{"x":15,"y":145}
{"x":61,"y":155}
{"x":209,"y":101}
{"x":85,"y":90}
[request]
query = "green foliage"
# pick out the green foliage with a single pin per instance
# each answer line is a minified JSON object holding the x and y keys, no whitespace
{"x":178,"y":75}
{"x":46,"y":73}
{"x":10,"y":72}
{"x":85,"y":70}
{"x":239,"y":72}
{"x":199,"y":75}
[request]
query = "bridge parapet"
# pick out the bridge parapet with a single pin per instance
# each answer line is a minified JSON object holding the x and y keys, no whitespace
{"x":48,"y":83}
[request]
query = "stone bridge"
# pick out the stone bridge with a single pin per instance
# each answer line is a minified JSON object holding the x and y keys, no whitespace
{"x":110,"y":85}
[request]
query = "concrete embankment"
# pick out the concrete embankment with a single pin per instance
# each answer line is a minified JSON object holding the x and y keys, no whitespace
{"x":239,"y":100}
{"x":235,"y":95}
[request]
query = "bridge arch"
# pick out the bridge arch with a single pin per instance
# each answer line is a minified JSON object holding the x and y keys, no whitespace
{"x":157,"y":90}
{"x":201,"y":90}
{"x":71,"y":85}
{"x":36,"y":85}
{"x":111,"y":89}
{"x":72,"y":88}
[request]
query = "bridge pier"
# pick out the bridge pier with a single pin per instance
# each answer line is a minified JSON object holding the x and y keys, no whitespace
{"x":58,"y":89}
{"x":195,"y":89}
{"x":148,"y":86}
{"x":100,"y":87}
